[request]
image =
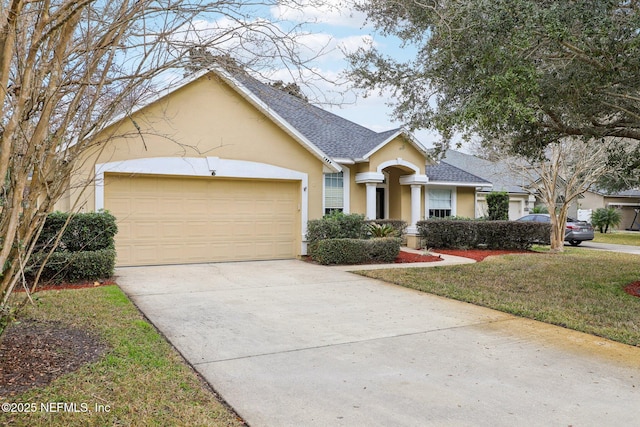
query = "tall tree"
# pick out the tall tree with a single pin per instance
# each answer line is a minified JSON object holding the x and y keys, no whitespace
{"x":68,"y":68}
{"x":523,"y":73}
{"x":565,"y":170}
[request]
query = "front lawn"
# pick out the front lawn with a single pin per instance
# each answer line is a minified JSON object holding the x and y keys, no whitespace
{"x":619,"y":238}
{"x":578,"y":289}
{"x":139,"y":381}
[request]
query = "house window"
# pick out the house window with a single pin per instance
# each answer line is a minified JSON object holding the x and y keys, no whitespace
{"x":333,"y":192}
{"x":439,"y":203}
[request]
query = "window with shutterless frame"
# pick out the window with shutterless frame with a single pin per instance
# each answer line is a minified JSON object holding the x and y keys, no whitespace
{"x":333,"y":192}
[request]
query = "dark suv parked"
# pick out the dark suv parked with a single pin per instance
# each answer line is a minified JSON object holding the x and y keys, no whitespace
{"x":575,"y":231}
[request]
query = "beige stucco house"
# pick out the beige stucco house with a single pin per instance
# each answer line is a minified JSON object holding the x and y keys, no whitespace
{"x":224,"y":168}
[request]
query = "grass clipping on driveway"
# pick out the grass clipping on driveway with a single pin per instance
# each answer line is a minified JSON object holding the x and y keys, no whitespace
{"x":578,"y":289}
{"x":140,"y":380}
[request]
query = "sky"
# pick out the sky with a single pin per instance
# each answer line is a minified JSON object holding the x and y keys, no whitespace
{"x":339,"y":27}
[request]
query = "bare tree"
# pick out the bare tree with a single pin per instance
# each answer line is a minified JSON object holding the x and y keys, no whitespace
{"x":68,"y":68}
{"x":564,"y":171}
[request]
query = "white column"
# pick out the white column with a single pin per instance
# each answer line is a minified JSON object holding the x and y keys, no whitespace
{"x":416,"y":191}
{"x":371,"y":200}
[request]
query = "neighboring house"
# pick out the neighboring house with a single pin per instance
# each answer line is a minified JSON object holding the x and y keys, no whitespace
{"x":225,"y":168}
{"x":628,"y":202}
{"x":521,"y":201}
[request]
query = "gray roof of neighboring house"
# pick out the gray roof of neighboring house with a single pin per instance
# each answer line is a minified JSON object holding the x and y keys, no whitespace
{"x":628,"y":193}
{"x":498,"y":174}
{"x":444,"y":172}
{"x":334,"y":135}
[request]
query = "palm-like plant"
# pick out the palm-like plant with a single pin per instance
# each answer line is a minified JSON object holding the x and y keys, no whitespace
{"x":604,"y":218}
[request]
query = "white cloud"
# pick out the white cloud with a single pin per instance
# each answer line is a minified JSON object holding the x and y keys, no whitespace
{"x":332,"y":12}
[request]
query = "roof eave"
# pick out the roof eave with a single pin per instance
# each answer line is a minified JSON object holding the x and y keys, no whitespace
{"x":459,"y":184}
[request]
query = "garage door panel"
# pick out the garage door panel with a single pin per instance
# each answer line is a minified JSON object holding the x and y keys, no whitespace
{"x":164,"y":220}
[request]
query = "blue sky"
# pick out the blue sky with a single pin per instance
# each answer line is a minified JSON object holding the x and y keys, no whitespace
{"x":339,"y":27}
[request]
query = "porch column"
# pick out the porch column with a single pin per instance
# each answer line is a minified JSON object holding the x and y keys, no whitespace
{"x":371,"y":200}
{"x":371,"y":180}
{"x":416,"y":192}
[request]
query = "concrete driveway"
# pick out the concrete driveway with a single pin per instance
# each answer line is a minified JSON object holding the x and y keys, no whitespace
{"x":628,"y":249}
{"x":287,"y":343}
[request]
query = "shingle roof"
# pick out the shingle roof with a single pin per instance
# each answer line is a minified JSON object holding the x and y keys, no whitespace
{"x":502,"y":178}
{"x":628,"y":193}
{"x":334,"y":135}
{"x":444,"y":172}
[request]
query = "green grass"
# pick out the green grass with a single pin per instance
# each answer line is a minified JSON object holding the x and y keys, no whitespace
{"x":578,"y":289}
{"x":141,"y":378}
{"x":619,"y":238}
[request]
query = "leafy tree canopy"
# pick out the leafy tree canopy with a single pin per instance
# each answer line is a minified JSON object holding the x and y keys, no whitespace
{"x":522,"y":73}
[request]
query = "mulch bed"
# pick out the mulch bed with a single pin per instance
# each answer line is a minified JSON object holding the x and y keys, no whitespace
{"x":479,"y":254}
{"x":405,"y":257}
{"x":64,"y":285}
{"x":32,"y":354}
{"x":633,"y":289}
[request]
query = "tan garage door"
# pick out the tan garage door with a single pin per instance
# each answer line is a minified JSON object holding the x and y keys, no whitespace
{"x":168,"y":220}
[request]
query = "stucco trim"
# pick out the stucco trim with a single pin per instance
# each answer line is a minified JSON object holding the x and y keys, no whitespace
{"x":398,"y":162}
{"x":364,"y":177}
{"x":414,"y":179}
{"x":209,"y":167}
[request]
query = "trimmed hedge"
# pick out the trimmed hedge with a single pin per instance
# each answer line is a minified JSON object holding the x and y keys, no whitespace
{"x":335,"y":226}
{"x":65,"y":266}
{"x":85,"y":232}
{"x":356,"y":251}
{"x":86,"y":250}
{"x":482,"y":234}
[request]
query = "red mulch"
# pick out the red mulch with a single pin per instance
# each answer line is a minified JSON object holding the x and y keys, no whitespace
{"x":633,"y":289}
{"x":479,"y":254}
{"x":404,"y":257}
{"x":79,"y":285}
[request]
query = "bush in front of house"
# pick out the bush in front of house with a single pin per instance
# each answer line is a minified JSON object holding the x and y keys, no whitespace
{"x":453,"y":234}
{"x":335,"y":226}
{"x":86,"y":250}
{"x":498,"y":204}
{"x":84,"y":232}
{"x":356,"y":251}
{"x":71,"y":267}
{"x":399,"y":226}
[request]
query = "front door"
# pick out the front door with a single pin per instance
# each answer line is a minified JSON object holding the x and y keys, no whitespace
{"x":380,"y":213}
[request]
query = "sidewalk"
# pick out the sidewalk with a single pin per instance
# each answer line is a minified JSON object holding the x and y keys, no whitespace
{"x":446,"y":260}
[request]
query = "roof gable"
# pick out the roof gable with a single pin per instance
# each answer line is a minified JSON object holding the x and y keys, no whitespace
{"x":334,"y":135}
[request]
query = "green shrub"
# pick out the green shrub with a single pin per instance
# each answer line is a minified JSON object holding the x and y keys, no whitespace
{"x":381,"y":230}
{"x":399,"y":226}
{"x":604,"y":218}
{"x":356,"y":251}
{"x":482,"y":234}
{"x":540,"y":209}
{"x":498,"y":203}
{"x":86,"y":250}
{"x":66,"y":266}
{"x":335,"y":226}
{"x":85,"y":231}
{"x":384,"y":249}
